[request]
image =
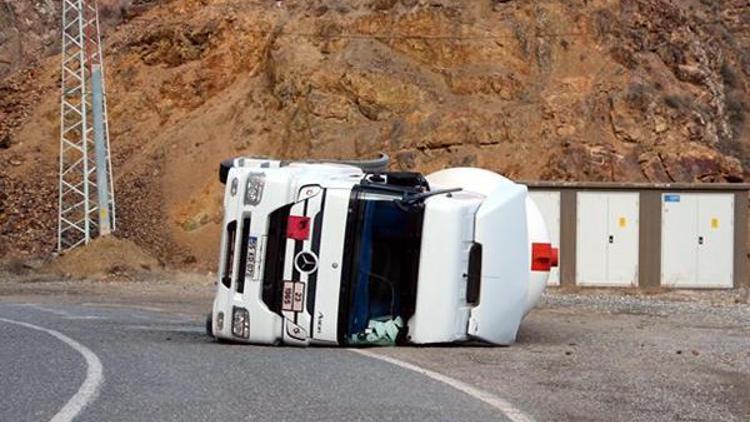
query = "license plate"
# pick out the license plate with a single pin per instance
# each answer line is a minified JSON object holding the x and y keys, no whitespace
{"x":252,"y":252}
{"x":293,"y":296}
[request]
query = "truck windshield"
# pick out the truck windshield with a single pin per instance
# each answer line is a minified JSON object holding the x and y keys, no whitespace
{"x":381,"y":267}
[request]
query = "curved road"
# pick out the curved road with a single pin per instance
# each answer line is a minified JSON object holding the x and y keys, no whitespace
{"x":163,"y":367}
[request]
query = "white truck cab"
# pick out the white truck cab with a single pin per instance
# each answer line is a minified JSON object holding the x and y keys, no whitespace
{"x":331,"y":254}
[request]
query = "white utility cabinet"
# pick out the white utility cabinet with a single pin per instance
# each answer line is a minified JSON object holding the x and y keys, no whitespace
{"x":607,"y":239}
{"x":549,"y":205}
{"x":697,"y":240}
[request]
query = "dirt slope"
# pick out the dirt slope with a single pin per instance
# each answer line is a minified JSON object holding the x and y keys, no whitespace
{"x":105,"y":256}
{"x":630,"y":90}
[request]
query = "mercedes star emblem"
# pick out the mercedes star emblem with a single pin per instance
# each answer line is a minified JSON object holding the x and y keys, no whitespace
{"x":306,"y":262}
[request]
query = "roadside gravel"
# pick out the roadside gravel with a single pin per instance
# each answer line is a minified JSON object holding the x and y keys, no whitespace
{"x":724,"y":306}
{"x":615,"y":356}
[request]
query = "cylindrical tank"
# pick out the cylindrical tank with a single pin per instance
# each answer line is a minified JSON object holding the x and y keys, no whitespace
{"x":485,"y":182}
{"x":538,"y":234}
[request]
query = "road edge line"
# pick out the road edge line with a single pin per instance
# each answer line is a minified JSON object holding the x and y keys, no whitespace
{"x":504,"y":406}
{"x":89,"y":389}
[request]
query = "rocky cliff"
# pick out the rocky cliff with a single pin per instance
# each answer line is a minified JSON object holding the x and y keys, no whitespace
{"x":629,"y":90}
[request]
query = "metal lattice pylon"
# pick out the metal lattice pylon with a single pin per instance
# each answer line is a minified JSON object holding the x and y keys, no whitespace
{"x":86,"y":196}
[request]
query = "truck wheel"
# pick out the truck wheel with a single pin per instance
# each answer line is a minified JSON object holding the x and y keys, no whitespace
{"x":224,"y":168}
{"x":374,"y":165}
{"x":209,"y":325}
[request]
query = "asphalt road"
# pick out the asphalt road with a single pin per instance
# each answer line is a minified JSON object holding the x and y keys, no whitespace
{"x":121,"y":364}
{"x":588,"y":356}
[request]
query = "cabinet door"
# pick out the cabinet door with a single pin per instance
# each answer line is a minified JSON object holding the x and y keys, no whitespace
{"x":715,"y":240}
{"x":679,"y":239}
{"x":622,"y":239}
{"x":591,"y":239}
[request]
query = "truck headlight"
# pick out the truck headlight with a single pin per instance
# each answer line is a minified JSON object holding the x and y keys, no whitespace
{"x":240,"y":322}
{"x":220,"y":321}
{"x":254,"y":188}
{"x":234,"y":185}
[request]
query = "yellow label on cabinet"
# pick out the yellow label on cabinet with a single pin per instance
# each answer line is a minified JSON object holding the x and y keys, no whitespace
{"x":714,"y":223}
{"x":623,"y":222}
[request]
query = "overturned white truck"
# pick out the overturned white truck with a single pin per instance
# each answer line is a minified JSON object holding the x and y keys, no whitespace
{"x":336,"y":253}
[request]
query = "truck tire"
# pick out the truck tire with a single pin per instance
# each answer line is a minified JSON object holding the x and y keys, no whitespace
{"x":209,"y":325}
{"x":375,"y":165}
{"x":224,"y":170}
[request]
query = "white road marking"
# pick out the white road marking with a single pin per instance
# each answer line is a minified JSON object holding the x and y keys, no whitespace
{"x":504,"y":406}
{"x":87,"y":317}
{"x":68,"y":315}
{"x":161,"y":319}
{"x":63,"y":314}
{"x":165,"y":329}
{"x":89,"y":390}
{"x":49,"y":310}
{"x":166,"y":315}
{"x":125,"y":306}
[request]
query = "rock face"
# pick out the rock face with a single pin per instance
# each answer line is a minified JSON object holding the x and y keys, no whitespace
{"x":30,"y":29}
{"x":598,"y":90}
